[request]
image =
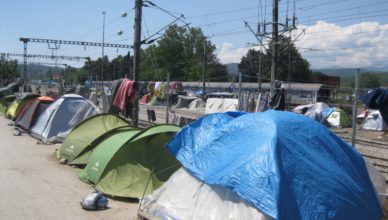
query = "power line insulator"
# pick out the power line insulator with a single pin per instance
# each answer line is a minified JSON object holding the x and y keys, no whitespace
{"x":286,"y":25}
{"x":294,"y":21}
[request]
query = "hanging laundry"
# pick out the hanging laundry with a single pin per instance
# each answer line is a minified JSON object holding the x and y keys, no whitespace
{"x":126,"y":93}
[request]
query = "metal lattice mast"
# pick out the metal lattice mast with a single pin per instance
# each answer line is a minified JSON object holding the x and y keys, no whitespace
{"x":25,"y":40}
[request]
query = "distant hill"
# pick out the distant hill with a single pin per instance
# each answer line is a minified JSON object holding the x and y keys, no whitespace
{"x":341,"y":72}
{"x":378,"y":69}
{"x":38,"y":71}
{"x":348,"y":81}
{"x":344,"y":72}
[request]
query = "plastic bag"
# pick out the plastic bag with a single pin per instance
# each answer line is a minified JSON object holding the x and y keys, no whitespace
{"x":94,"y":201}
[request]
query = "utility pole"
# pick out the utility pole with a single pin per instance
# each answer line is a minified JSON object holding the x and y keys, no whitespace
{"x":204,"y":67}
{"x":102,"y":55}
{"x":289,"y":75}
{"x":275,"y":36}
{"x":136,"y":59}
{"x":240,"y":98}
{"x":25,"y":41}
{"x":89,"y":78}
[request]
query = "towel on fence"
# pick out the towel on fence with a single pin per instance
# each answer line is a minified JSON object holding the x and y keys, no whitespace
{"x":126,"y":92}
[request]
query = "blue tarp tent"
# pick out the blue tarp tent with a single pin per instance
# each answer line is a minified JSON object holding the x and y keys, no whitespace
{"x":288,"y":166}
{"x":377,"y":99}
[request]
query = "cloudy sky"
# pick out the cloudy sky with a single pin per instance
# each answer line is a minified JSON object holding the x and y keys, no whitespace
{"x":332,"y":33}
{"x":327,"y":45}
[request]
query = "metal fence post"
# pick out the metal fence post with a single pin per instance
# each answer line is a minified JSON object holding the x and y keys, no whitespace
{"x":240,"y":98}
{"x":167,"y":98}
{"x":354,"y":125}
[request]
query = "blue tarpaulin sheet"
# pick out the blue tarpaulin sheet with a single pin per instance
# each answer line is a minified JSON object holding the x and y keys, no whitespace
{"x":326,"y":113}
{"x":377,"y":99}
{"x":288,"y":166}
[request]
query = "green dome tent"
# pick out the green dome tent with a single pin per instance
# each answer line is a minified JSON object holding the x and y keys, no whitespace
{"x":5,"y":102}
{"x":83,"y":158}
{"x":103,"y":153}
{"x":123,"y":164}
{"x":85,"y":136}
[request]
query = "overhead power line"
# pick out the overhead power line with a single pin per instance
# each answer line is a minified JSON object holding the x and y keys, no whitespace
{"x":249,"y":8}
{"x":44,"y":56}
{"x":354,"y":15}
{"x":312,"y":22}
{"x":348,"y":9}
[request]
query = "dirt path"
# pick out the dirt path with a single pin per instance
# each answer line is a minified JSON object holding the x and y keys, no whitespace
{"x":35,"y":186}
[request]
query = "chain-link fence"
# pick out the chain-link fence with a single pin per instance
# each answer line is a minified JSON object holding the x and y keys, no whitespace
{"x":369,"y":141}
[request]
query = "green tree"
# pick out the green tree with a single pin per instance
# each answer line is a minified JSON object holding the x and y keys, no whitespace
{"x":370,"y":80}
{"x":76,"y":75}
{"x":384,"y":79}
{"x":250,"y":65}
{"x":94,"y":66}
{"x":291,"y":65}
{"x":180,"y":52}
{"x":317,"y":74}
{"x":121,"y":67}
{"x":367,"y":80}
{"x":217,"y":73}
{"x":8,"y":69}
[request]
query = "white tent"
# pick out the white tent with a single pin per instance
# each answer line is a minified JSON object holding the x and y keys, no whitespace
{"x":197,"y":104}
{"x":298,"y":109}
{"x":312,"y":109}
{"x":214,"y":105}
{"x":318,"y":111}
{"x":373,"y":121}
{"x":61,"y":116}
{"x":184,"y":101}
{"x":185,"y":197}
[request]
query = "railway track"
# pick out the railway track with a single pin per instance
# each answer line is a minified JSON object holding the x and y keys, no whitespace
{"x":372,"y":143}
{"x":375,"y":152}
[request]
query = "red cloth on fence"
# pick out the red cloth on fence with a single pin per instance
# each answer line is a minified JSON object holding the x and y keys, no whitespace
{"x":125,"y":93}
{"x":145,"y":99}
